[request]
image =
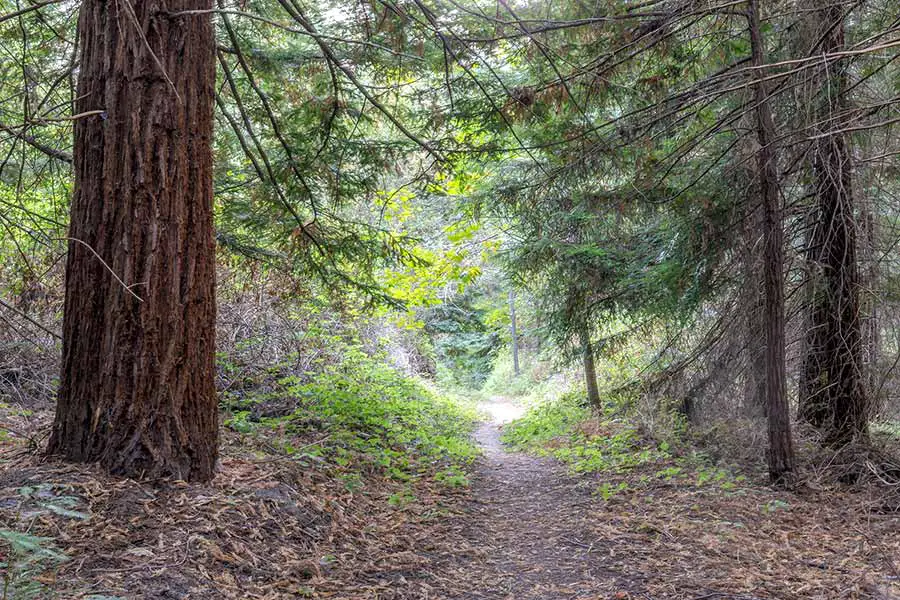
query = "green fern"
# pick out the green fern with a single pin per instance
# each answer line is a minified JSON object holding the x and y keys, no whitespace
{"x":25,"y":557}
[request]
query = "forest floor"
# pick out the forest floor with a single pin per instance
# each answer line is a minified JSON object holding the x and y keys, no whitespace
{"x":525,"y":528}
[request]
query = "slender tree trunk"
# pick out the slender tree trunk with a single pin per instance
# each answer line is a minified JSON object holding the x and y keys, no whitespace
{"x":513,"y":332}
{"x":781,"y":448}
{"x":835,"y":400}
{"x":137,"y":387}
{"x":590,"y":371}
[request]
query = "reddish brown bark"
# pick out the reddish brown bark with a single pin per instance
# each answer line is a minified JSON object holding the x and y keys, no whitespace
{"x":137,"y":385}
{"x":781,"y":448}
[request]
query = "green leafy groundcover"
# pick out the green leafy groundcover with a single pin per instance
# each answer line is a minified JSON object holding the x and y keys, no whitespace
{"x":560,"y":428}
{"x":368,"y":417}
{"x":563,"y":427}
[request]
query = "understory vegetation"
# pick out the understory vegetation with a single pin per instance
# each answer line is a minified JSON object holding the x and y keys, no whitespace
{"x":636,"y":440}
{"x":322,"y":429}
{"x":368,"y":415}
{"x":622,"y":450}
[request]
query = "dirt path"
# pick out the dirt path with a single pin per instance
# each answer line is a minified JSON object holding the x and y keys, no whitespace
{"x":527,"y":519}
{"x":531,"y":531}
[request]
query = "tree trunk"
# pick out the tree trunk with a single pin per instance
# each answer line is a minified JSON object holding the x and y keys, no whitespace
{"x":781,"y":449}
{"x":590,"y":371}
{"x":513,"y":332}
{"x":137,"y":387}
{"x":835,"y":400}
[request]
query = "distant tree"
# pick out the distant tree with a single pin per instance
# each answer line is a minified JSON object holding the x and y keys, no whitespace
{"x":137,"y":387}
{"x":514,"y":335}
{"x":590,"y":370}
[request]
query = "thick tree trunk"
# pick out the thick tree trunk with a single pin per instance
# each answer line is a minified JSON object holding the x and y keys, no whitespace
{"x":590,"y":371}
{"x":137,"y":387}
{"x":781,"y":448}
{"x":834,"y":398}
{"x":513,"y":332}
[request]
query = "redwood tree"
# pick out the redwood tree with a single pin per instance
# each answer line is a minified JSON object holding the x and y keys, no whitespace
{"x":781,"y":448}
{"x":137,"y":387}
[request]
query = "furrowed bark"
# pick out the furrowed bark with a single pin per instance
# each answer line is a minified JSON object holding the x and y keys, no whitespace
{"x":833,"y":396}
{"x":137,"y":387}
{"x":781,"y":449}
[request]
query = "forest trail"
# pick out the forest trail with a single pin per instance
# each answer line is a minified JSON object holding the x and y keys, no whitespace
{"x":531,"y":530}
{"x":528,"y":518}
